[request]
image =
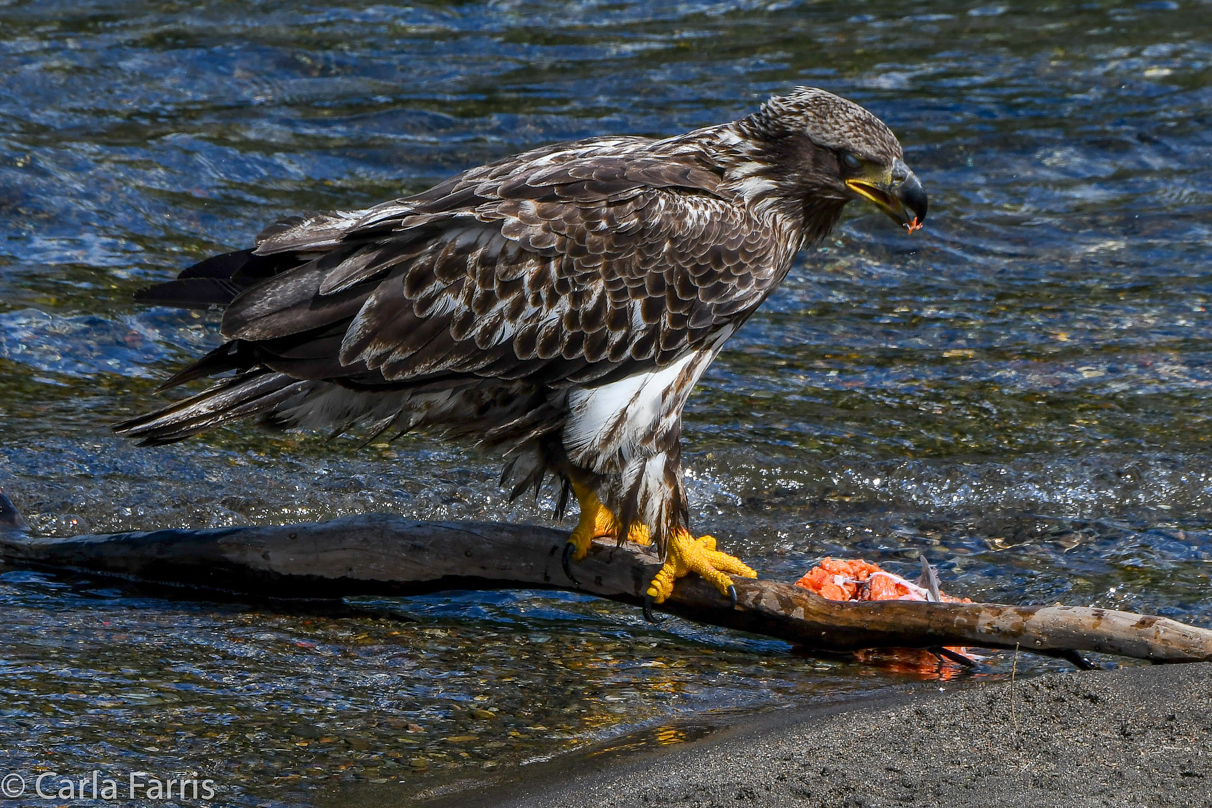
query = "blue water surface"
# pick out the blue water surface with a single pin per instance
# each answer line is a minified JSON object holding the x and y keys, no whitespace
{"x":1019,"y":392}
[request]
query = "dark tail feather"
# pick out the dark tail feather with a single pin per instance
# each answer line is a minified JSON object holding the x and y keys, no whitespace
{"x":234,"y":355}
{"x":224,"y":267}
{"x":216,"y":281}
{"x":190,"y":293}
{"x":251,"y":393}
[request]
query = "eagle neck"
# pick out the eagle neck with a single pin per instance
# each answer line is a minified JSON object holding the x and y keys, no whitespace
{"x":762,"y":175}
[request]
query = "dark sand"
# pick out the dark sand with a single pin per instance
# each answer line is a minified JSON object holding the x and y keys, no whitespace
{"x":1132,"y":737}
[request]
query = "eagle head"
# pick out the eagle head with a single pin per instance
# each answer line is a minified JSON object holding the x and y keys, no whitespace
{"x":811,"y":152}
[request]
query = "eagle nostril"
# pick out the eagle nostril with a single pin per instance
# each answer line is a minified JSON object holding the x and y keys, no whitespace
{"x":900,"y":172}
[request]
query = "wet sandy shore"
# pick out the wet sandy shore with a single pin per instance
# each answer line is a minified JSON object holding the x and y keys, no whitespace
{"x":1132,"y":737}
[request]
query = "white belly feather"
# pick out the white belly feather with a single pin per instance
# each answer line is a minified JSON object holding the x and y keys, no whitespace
{"x":612,"y":425}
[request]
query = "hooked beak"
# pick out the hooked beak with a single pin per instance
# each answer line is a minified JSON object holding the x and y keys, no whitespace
{"x":901,"y":196}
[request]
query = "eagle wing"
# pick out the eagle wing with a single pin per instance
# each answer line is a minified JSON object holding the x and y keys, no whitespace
{"x":564,"y":266}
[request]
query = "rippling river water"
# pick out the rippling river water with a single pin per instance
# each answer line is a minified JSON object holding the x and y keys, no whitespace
{"x":1020,"y":391}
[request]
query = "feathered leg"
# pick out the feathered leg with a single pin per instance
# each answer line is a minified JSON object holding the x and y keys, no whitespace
{"x":652,"y":488}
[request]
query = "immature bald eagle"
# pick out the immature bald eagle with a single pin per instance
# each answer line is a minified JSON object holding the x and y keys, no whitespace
{"x":559,"y":304}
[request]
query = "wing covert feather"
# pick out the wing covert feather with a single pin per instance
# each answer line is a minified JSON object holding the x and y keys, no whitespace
{"x":561,"y":265}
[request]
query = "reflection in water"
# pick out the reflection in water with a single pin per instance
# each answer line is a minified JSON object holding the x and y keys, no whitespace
{"x":663,"y":735}
{"x":1019,"y":392}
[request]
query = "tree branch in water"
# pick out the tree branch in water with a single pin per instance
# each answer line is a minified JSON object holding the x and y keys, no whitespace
{"x":381,"y":554}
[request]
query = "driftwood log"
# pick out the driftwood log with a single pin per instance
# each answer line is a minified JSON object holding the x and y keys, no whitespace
{"x":380,"y":554}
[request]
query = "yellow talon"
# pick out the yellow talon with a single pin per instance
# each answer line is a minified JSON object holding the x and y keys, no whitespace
{"x":687,"y":554}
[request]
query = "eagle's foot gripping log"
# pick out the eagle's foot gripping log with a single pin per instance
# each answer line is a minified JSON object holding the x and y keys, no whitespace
{"x":596,"y":522}
{"x":687,"y":554}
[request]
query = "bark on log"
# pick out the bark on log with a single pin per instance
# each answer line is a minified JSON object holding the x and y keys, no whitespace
{"x":380,"y":554}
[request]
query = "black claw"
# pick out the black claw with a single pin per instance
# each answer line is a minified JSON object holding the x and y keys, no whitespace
{"x":732,"y":595}
{"x":648,"y":613}
{"x":566,"y":562}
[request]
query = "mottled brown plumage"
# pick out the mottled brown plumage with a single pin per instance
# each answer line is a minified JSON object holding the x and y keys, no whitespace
{"x":560,"y":303}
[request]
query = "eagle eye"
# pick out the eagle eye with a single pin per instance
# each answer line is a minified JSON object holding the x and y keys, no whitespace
{"x":851,"y":160}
